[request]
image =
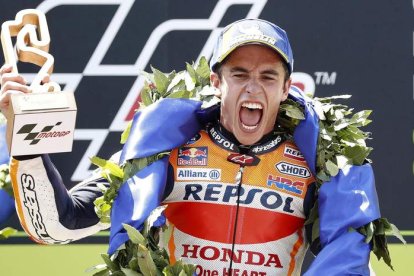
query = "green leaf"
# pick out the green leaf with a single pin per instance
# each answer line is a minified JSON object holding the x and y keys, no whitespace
{"x":357,"y":154}
{"x":360,"y":118}
{"x":190,"y":77}
{"x":134,"y":235}
{"x":110,"y":166}
{"x":340,"y":124}
{"x":293,"y":112}
{"x":329,"y":99}
{"x":395,"y":232}
{"x":109,"y":263}
{"x":161,"y":81}
{"x":342,"y":161}
{"x":203,"y":71}
{"x":125,"y":133}
{"x":319,"y":110}
{"x":145,"y":262}
{"x":104,"y":272}
{"x":315,"y":230}
{"x":331,"y":168}
{"x":130,"y":272}
{"x":5,"y":180}
{"x":183,"y":94}
{"x":313,"y":214}
{"x":322,"y":176}
{"x":167,"y":233}
{"x":133,"y":264}
{"x":7,"y":232}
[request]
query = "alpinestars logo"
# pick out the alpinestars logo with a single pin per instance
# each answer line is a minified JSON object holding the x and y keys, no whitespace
{"x":46,"y":132}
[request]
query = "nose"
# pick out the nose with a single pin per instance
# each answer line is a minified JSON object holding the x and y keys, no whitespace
{"x":253,"y":86}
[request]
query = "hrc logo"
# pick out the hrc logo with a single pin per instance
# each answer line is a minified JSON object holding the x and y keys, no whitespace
{"x":285,"y":184}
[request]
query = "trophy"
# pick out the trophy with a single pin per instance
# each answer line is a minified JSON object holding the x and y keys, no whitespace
{"x":42,"y":121}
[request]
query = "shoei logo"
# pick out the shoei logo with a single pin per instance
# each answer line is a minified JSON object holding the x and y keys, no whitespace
{"x":35,"y":136}
{"x":291,"y":169}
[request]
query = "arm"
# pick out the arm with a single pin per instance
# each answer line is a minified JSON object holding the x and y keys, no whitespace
{"x":47,"y":211}
{"x":349,"y":200}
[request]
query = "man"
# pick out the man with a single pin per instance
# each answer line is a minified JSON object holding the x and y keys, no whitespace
{"x":238,"y":192}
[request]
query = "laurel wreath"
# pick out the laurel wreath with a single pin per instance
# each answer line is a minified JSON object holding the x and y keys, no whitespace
{"x":341,"y":142}
{"x":5,"y":184}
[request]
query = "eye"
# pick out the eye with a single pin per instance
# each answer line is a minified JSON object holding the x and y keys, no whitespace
{"x":240,"y":75}
{"x":269,"y":77}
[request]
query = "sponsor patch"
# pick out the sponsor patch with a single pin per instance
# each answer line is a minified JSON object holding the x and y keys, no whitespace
{"x":31,"y":203}
{"x":285,"y":184}
{"x":194,"y":139}
{"x":192,"y":156}
{"x":243,"y":159}
{"x":198,"y":174}
{"x":221,"y":141}
{"x":292,"y":153}
{"x":291,"y":169}
{"x":267,"y":147}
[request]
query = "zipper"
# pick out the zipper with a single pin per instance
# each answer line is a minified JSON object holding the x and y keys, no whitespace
{"x":239,"y":177}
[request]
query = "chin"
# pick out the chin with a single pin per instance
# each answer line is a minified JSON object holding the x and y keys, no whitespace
{"x":248,"y":138}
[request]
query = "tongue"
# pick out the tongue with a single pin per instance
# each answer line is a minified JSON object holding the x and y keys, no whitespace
{"x":250,"y":117}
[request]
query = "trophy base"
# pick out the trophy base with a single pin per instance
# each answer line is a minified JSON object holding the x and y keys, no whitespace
{"x":41,"y":123}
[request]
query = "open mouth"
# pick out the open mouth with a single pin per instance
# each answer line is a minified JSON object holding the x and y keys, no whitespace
{"x":251,"y":115}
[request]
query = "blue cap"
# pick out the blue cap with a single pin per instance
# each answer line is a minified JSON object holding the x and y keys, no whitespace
{"x":252,"y":31}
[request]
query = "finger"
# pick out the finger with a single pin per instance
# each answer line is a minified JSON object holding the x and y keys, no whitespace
{"x":12,"y":77}
{"x":6,"y":68}
{"x":45,"y":79}
{"x":11,"y":85}
{"x":6,"y":97}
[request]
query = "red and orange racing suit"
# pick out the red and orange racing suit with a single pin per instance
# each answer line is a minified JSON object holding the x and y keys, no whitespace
{"x":234,"y":210}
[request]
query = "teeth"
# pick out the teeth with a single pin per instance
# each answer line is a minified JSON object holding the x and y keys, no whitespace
{"x":249,"y":127}
{"x":252,"y":105}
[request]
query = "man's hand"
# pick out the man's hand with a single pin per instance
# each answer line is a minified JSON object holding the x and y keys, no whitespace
{"x":12,"y":83}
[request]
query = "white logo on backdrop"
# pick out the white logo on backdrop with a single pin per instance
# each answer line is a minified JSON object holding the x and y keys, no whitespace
{"x":95,"y":67}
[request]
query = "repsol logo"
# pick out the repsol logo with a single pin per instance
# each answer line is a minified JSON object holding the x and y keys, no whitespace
{"x":270,"y":200}
{"x":291,"y":169}
{"x":221,"y":141}
{"x":293,"y":154}
{"x":198,"y":174}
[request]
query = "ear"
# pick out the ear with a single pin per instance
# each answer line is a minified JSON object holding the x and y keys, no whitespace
{"x":215,"y":82}
{"x":286,"y":88}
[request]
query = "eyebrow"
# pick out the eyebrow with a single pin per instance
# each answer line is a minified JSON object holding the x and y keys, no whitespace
{"x":244,"y":70}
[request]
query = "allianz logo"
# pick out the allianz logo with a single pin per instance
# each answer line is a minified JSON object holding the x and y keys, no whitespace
{"x":198,"y":174}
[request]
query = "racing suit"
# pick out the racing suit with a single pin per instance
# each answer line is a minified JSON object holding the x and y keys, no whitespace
{"x":232,"y":207}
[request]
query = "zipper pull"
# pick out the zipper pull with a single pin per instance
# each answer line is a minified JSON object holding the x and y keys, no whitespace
{"x":239,"y":175}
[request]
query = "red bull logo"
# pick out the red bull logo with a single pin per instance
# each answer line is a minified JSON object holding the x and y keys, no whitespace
{"x":192,"y":156}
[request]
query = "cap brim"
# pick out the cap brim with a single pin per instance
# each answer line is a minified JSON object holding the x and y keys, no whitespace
{"x":254,"y":41}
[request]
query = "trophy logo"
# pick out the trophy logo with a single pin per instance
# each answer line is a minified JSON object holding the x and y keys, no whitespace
{"x":47,"y":104}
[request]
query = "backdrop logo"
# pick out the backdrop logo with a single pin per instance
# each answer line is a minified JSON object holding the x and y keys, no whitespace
{"x":97,"y":64}
{"x":46,"y":132}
